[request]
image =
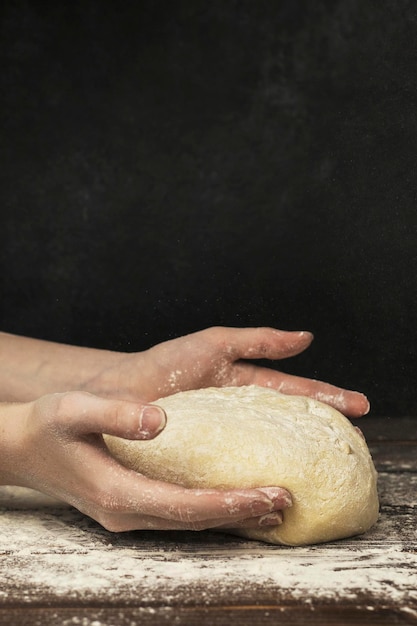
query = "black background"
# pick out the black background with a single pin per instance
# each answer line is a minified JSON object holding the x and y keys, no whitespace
{"x":172,"y":165}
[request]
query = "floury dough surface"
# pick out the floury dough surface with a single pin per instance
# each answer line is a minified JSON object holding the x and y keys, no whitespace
{"x":244,"y":437}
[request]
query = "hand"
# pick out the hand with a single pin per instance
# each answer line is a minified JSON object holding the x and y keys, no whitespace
{"x":31,"y":368}
{"x":55,"y":445}
{"x":219,"y":357}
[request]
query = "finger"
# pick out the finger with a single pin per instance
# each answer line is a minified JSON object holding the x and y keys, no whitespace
{"x":85,"y":413}
{"x":265,"y":343}
{"x":112,"y":488}
{"x":264,"y":521}
{"x":350,"y":403}
{"x":129,"y":522}
{"x":174,"y":502}
{"x":189,"y":509}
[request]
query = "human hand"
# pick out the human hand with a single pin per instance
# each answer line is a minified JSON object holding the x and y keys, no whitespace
{"x":55,"y":445}
{"x":221,"y":357}
{"x":212,"y":357}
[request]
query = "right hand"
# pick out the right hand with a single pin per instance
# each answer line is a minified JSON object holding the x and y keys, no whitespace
{"x":55,"y":445}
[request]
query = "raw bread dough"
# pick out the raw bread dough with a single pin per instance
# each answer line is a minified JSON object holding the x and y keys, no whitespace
{"x":257,"y":437}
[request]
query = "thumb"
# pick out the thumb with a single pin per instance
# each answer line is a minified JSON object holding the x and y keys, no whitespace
{"x":86,"y":413}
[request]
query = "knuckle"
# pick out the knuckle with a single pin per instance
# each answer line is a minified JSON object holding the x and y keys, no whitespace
{"x":216,"y":334}
{"x":110,"y":523}
{"x":52,"y":411}
{"x":189,"y":518}
{"x":106,"y":501}
{"x":63,"y":404}
{"x":116,"y":414}
{"x":122,"y":416}
{"x":108,"y":508}
{"x":66,"y":403}
{"x":263,"y":349}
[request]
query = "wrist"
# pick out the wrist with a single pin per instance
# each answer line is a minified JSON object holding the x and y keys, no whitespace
{"x":129,"y":376}
{"x":31,"y":368}
{"x":101,"y":373}
{"x":12,"y":453}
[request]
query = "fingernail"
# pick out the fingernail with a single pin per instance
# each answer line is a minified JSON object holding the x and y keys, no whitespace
{"x":151,"y":421}
{"x":271,"y":519}
{"x":368,"y":405}
{"x":365,"y":408}
{"x":281,"y":498}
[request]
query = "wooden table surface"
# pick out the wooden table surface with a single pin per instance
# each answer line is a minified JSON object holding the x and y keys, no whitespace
{"x":59,"y":567}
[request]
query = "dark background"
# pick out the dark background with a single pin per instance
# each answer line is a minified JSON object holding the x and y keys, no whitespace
{"x":171,"y":165}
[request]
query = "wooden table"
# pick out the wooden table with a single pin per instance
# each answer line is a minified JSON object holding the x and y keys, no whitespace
{"x":58,"y":567}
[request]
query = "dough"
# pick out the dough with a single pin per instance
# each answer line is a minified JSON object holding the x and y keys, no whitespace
{"x":257,"y":437}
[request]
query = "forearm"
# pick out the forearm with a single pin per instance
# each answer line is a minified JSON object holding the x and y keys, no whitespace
{"x":30,"y":368}
{"x":12,"y":420}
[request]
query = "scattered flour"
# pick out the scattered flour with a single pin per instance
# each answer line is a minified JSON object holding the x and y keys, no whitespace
{"x":60,"y":552}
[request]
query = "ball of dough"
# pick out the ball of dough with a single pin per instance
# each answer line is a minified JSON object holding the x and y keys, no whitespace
{"x":238,"y":437}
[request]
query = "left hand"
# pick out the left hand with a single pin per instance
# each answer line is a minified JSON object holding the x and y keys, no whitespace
{"x":221,"y":357}
{"x":55,"y":445}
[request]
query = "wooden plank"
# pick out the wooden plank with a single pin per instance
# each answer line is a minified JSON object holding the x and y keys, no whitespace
{"x":60,"y":556}
{"x":398,"y":489}
{"x":393,"y":457}
{"x":388,"y":428}
{"x":212,"y":616}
